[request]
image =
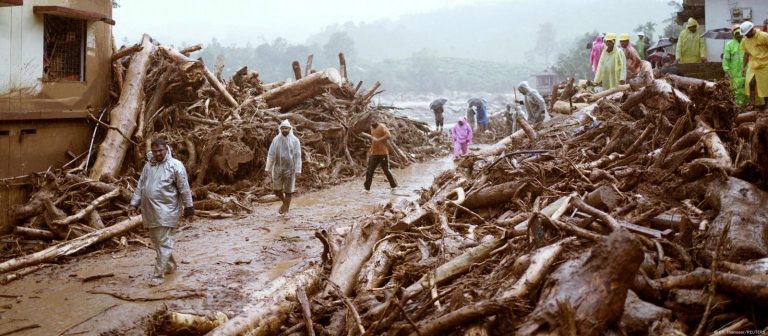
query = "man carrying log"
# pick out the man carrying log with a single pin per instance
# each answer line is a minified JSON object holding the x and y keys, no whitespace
{"x":284,"y":164}
{"x":378,"y":155}
{"x":535,"y":106}
{"x":755,"y":47}
{"x":163,"y":194}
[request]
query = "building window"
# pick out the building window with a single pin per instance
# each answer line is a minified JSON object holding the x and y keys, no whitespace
{"x":64,"y":49}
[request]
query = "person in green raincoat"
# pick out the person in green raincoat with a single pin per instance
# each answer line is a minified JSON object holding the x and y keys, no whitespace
{"x":690,"y":46}
{"x":733,"y":58}
{"x":641,"y":46}
{"x":612,"y":67}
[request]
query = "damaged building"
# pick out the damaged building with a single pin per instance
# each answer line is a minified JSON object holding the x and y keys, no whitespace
{"x":54,"y":69}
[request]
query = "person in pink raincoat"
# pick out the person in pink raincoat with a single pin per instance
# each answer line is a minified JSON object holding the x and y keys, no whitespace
{"x":597,"y":50}
{"x":461,"y":135}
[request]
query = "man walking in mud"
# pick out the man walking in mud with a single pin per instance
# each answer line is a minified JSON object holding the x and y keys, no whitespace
{"x":378,"y":155}
{"x":162,"y":195}
{"x":284,"y":164}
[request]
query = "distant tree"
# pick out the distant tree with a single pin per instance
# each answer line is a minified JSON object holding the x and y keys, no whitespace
{"x":115,"y":4}
{"x":545,"y":42}
{"x":575,"y":61}
{"x":672,"y":29}
{"x":648,"y":28}
{"x":338,"y":42}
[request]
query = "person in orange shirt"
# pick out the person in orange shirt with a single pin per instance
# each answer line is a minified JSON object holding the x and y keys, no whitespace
{"x":378,"y":154}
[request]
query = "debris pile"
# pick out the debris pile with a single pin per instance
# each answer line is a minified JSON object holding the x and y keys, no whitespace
{"x":643,"y":213}
{"x":220,"y":130}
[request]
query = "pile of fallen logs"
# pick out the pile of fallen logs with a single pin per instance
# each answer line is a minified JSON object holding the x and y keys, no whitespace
{"x":643,"y":213}
{"x":220,"y":130}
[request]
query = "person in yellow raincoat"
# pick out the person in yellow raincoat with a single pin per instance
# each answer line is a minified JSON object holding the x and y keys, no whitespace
{"x":690,"y":46}
{"x":612,"y":67}
{"x":733,"y":58}
{"x":755,"y":47}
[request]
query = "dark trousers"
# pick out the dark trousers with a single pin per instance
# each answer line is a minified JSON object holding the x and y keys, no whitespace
{"x":373,"y":162}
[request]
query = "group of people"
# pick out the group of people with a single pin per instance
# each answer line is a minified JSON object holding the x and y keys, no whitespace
{"x":163,"y":195}
{"x":614,"y":66}
{"x":463,"y":132}
{"x":745,"y":62}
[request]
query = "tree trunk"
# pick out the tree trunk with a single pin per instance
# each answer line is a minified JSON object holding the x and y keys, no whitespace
{"x":293,"y":94}
{"x":594,"y":286}
{"x":595,"y":97}
{"x":71,"y":246}
{"x":689,"y":84}
{"x":123,"y":116}
{"x":495,"y":194}
{"x":269,"y":308}
{"x":746,"y":208}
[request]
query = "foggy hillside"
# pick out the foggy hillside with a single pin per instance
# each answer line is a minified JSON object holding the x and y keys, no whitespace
{"x":494,"y":31}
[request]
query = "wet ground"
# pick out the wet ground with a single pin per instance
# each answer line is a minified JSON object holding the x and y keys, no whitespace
{"x":220,"y":262}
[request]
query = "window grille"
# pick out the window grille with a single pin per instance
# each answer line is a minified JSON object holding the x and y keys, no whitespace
{"x":64,"y":49}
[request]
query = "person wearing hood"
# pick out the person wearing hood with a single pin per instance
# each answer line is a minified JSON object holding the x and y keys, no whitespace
{"x":633,"y":58}
{"x":641,"y":45}
{"x":690,"y":45}
{"x":612,"y":68}
{"x":597,"y":50}
{"x":733,"y":58}
{"x":284,"y":164}
{"x":478,"y":110}
{"x":461,"y":135}
{"x":378,"y":155}
{"x":535,"y":105}
{"x":755,"y":65}
{"x":163,"y":195}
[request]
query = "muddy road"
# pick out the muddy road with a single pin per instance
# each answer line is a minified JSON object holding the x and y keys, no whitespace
{"x":220,"y":262}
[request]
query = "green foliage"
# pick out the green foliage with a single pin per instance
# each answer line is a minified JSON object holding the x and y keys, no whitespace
{"x":649,"y":29}
{"x":575,"y":61}
{"x":425,"y":72}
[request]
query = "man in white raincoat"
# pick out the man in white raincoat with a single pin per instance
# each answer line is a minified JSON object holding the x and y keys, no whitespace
{"x":535,"y":105}
{"x":162,"y":195}
{"x":284,"y":164}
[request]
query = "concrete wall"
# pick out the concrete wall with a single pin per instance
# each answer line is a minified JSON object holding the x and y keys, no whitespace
{"x":717,"y":14}
{"x":41,"y":121}
{"x":21,"y":62}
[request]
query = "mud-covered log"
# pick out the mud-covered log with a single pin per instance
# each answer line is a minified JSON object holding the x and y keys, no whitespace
{"x":72,"y":246}
{"x":357,"y":248}
{"x":293,"y":94}
{"x":375,"y":271}
{"x":176,"y":323}
{"x":690,"y":84}
{"x":640,"y":315}
{"x":454,"y":267}
{"x":123,"y":116}
{"x":268,"y":309}
{"x":33,"y":233}
{"x":746,"y":208}
{"x":746,"y":288}
{"x":715,"y":146}
{"x":595,"y":285}
{"x":602,"y":94}
{"x":80,"y":215}
{"x":451,"y":321}
{"x":496,"y":194}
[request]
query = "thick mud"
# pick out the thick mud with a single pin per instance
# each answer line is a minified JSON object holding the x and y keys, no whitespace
{"x":220,"y":262}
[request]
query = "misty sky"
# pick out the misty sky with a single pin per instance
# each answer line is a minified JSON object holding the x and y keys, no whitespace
{"x":197,"y":21}
{"x":257,"y":21}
